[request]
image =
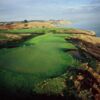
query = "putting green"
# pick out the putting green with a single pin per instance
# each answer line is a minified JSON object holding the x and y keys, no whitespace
{"x":37,"y":59}
{"x":42,"y":55}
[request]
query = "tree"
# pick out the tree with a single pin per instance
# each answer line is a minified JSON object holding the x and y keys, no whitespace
{"x":25,"y":23}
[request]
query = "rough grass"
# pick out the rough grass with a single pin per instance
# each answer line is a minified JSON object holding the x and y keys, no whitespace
{"x":51,"y":86}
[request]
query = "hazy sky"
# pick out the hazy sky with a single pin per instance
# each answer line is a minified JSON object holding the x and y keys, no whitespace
{"x":49,"y":9}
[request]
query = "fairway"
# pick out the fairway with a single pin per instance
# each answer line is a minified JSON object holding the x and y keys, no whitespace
{"x":42,"y":56}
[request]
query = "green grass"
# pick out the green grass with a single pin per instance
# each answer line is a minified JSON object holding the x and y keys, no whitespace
{"x":38,"y":59}
{"x":33,"y":30}
{"x":37,"y":30}
{"x":45,"y":50}
{"x":3,"y":38}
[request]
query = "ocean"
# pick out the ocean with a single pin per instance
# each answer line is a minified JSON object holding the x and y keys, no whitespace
{"x":87,"y":25}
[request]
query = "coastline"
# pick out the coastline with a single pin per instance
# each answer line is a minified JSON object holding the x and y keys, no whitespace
{"x":75,"y":78}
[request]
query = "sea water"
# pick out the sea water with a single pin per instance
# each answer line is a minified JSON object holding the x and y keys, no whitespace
{"x":88,"y":25}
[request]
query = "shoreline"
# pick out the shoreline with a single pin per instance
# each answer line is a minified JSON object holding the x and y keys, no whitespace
{"x":87,"y":52}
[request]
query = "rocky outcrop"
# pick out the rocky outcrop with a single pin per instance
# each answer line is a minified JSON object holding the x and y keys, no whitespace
{"x":86,"y":82}
{"x":88,"y":44}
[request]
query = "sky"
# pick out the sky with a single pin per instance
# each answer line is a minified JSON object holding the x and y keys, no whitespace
{"x":13,"y":10}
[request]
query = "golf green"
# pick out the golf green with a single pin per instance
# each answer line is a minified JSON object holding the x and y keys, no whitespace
{"x":43,"y":55}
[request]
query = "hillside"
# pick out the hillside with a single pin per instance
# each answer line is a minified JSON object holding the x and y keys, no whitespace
{"x":33,"y":24}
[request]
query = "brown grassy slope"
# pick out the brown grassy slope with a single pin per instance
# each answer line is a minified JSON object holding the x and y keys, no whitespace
{"x":20,"y":25}
{"x":79,"y":32}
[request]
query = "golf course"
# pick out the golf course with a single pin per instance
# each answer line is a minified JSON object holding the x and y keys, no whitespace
{"x":37,"y":59}
{"x":49,"y":50}
{"x":44,"y":62}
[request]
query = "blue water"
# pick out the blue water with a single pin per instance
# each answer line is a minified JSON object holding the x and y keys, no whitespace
{"x":88,"y":25}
